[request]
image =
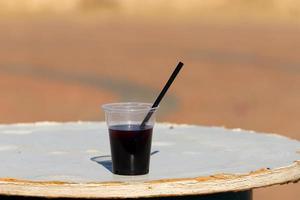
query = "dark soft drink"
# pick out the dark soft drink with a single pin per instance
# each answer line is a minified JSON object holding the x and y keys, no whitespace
{"x":130,"y":148}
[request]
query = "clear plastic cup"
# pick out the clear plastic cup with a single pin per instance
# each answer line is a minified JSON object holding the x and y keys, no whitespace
{"x":130,"y":143}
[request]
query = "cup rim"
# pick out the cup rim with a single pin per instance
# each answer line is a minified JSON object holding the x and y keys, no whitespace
{"x":128,"y":107}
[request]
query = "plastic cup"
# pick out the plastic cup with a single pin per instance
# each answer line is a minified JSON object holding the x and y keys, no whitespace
{"x":130,"y":143}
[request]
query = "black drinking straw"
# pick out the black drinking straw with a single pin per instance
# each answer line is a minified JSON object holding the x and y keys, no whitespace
{"x":162,"y":93}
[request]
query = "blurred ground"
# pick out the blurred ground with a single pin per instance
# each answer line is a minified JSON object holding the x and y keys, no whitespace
{"x":60,"y":60}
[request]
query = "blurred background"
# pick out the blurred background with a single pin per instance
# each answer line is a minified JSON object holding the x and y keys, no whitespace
{"x":61,"y":59}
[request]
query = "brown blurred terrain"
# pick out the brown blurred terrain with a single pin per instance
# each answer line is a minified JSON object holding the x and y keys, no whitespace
{"x":60,"y":60}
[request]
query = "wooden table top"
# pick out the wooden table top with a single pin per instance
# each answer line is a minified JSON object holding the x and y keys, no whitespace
{"x":51,"y":159}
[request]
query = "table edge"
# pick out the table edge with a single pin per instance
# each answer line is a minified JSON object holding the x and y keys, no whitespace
{"x":158,"y":188}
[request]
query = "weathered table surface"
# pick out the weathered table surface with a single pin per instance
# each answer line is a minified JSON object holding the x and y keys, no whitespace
{"x":72,"y":160}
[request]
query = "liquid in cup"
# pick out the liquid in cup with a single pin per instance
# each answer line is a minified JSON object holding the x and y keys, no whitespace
{"x":130,"y":148}
{"x":130,"y":143}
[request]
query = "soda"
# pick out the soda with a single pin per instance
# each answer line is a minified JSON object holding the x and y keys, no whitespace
{"x":130,"y":148}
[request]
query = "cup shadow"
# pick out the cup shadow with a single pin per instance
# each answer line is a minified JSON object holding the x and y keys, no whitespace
{"x":106,"y":162}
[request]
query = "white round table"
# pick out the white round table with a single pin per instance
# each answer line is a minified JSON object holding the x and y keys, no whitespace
{"x":53,"y":160}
